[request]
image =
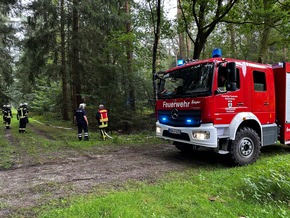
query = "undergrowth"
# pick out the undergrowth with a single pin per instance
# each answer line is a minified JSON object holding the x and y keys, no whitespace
{"x":268,"y":185}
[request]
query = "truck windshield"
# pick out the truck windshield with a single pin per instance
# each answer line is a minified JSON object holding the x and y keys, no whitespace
{"x":192,"y":81}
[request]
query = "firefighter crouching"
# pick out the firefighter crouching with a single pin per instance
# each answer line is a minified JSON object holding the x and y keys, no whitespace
{"x":22,"y":116}
{"x":102,"y":118}
{"x":81,"y":119}
{"x":7,"y":115}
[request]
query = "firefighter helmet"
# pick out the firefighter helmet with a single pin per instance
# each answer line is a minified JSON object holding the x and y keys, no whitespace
{"x":101,"y":106}
{"x":82,"y":105}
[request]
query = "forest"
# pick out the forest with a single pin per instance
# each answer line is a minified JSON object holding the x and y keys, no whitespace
{"x":56,"y":54}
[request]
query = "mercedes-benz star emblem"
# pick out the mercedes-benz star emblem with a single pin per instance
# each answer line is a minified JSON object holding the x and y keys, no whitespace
{"x":174,"y":113}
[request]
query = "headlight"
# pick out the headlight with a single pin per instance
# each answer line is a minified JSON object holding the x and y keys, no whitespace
{"x":201,"y":135}
{"x":158,"y":129}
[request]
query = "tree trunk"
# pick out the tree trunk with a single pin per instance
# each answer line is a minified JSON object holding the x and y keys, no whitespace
{"x":264,"y":42}
{"x":129,"y":52}
{"x":63,"y":64}
{"x":200,"y":11}
{"x":76,"y":80}
{"x":199,"y":43}
{"x":182,"y":53}
{"x":232,"y":40}
{"x":156,"y":42}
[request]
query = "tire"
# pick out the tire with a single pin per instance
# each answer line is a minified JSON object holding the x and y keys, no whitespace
{"x":245,"y":149}
{"x":184,"y":148}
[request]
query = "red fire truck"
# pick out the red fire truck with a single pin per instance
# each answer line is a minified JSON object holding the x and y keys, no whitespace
{"x":231,"y":106}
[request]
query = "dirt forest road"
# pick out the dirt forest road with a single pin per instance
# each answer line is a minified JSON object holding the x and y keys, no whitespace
{"x":30,"y":184}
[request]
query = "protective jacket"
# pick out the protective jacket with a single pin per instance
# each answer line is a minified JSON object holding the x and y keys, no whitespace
{"x":22,"y":113}
{"x":8,"y":113}
{"x":102,"y":117}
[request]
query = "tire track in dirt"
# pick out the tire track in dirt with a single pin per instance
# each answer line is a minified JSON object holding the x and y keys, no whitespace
{"x":10,"y":138}
{"x":40,"y":132}
{"x":21,"y":158}
{"x":19,"y":155}
{"x":32,"y":186}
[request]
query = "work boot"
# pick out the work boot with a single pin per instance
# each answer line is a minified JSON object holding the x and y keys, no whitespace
{"x":86,"y":138}
{"x":80,"y":138}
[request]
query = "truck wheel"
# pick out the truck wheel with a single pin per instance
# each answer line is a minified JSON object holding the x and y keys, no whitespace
{"x":245,"y":149}
{"x":183,"y":147}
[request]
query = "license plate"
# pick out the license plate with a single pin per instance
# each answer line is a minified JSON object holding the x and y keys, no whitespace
{"x":175,"y":131}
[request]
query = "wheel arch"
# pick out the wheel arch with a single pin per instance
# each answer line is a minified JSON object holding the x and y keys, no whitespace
{"x":245,"y":120}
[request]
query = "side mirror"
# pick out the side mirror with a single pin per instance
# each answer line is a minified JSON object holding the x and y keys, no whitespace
{"x":232,"y":71}
{"x":232,"y":76}
{"x":232,"y":86}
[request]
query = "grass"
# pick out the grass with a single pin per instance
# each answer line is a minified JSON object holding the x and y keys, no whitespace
{"x":259,"y":190}
{"x":211,"y":190}
{"x":6,"y":154}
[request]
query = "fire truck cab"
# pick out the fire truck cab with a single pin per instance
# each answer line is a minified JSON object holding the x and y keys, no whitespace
{"x":232,"y":106}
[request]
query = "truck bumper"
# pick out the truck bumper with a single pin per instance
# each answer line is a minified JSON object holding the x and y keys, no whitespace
{"x":205,"y":135}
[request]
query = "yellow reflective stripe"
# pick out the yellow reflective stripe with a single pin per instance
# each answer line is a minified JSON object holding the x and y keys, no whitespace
{"x":104,"y":119}
{"x":103,"y":125}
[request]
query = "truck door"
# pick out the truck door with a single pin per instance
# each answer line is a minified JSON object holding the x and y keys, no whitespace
{"x":229,"y":103}
{"x":261,"y":105}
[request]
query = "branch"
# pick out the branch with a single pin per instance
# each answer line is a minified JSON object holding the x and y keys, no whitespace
{"x":185,"y":22}
{"x":254,"y":23}
{"x":152,"y":17}
{"x":194,"y":14}
{"x":218,"y":17}
{"x":284,"y":5}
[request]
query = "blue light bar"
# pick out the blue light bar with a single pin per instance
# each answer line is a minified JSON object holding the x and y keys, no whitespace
{"x":188,"y":121}
{"x":180,"y":62}
{"x":216,"y":53}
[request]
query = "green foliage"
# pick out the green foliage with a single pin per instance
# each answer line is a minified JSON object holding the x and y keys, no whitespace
{"x":102,"y":40}
{"x":7,"y":41}
{"x":46,"y":97}
{"x":254,"y":26}
{"x":131,"y":123}
{"x":269,"y":185}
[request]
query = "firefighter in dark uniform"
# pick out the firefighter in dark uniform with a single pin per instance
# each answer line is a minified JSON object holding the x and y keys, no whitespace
{"x":7,"y":115}
{"x":22,"y":116}
{"x":103,"y":119}
{"x":81,"y":119}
